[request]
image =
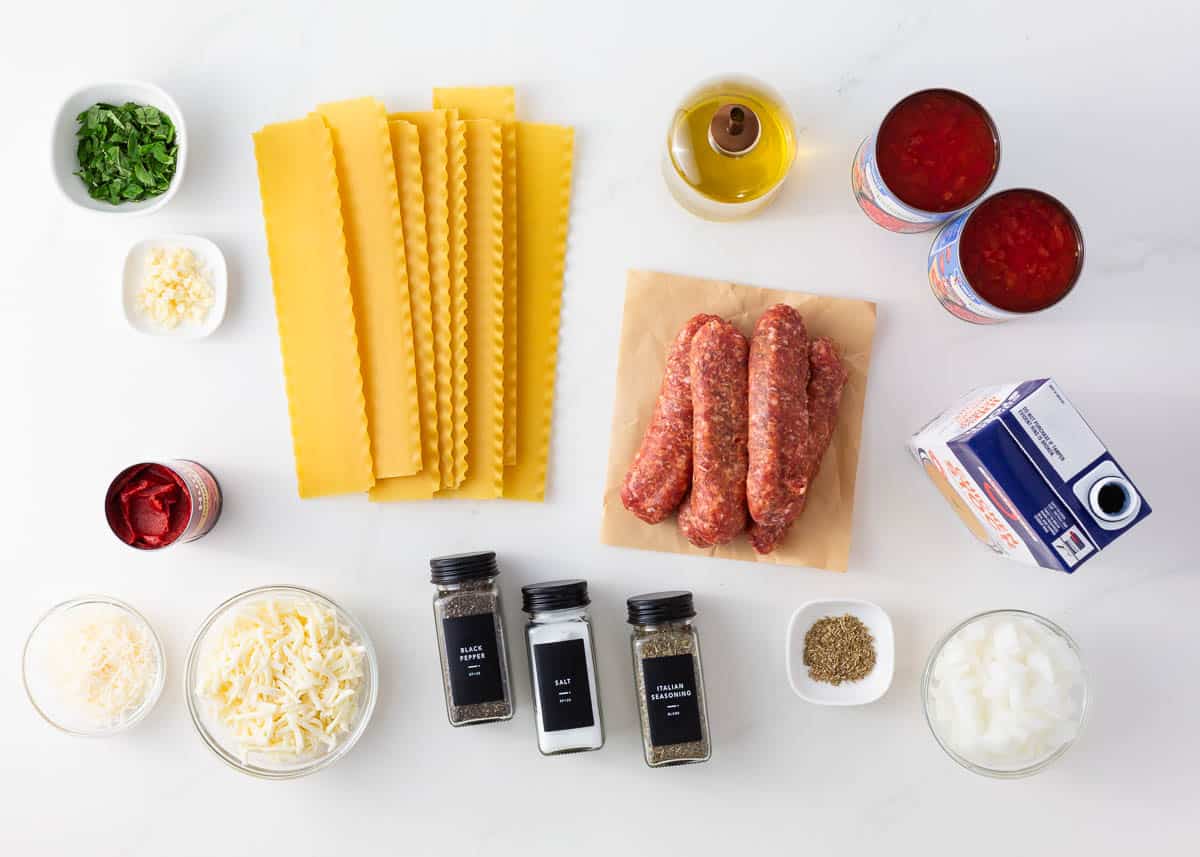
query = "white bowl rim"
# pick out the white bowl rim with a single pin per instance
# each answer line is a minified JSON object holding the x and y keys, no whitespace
{"x":152,"y":697}
{"x":317,"y":764}
{"x":221,"y":294}
{"x":788,"y":657}
{"x":153,"y":204}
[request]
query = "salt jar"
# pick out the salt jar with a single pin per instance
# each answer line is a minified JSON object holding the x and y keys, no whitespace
{"x":562,"y":667}
{"x":668,"y":679}
{"x":470,"y":632}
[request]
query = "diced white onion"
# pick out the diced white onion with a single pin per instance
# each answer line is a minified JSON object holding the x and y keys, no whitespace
{"x":1006,"y":692}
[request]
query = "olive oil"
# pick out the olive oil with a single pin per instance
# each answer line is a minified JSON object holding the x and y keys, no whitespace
{"x":730,"y":145}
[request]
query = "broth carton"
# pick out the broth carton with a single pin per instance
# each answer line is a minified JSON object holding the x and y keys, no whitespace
{"x":1028,"y":476}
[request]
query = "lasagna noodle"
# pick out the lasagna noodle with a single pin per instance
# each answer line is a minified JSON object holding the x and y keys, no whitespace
{"x":406,"y":150}
{"x":478,"y":102}
{"x":545,"y":155}
{"x":459,"y":254}
{"x":432,"y":130}
{"x":313,"y":306}
{"x":485,"y":309}
{"x":499,"y":103}
{"x":378,"y":281}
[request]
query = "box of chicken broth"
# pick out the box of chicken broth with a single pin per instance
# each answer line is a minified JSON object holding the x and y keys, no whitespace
{"x":1028,"y":476}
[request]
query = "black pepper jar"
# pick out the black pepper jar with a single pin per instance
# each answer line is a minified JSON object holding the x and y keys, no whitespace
{"x":470,"y":632}
{"x":669,"y":679}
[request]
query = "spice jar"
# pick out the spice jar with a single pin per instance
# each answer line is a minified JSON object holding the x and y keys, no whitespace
{"x":562,"y":667}
{"x":669,"y":679}
{"x":470,"y":631}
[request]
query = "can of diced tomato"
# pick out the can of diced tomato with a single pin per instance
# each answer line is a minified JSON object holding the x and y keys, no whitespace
{"x":155,"y":504}
{"x":935,"y":153}
{"x":1018,"y":252}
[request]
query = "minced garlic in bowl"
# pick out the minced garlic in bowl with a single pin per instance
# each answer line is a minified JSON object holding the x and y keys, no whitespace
{"x":174,"y":288}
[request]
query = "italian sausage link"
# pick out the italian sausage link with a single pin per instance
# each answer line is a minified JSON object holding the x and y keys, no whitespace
{"x":778,"y":392}
{"x":826,"y":381}
{"x":715,"y":511}
{"x":662,"y":469}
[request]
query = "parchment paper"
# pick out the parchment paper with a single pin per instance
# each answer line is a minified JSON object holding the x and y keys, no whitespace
{"x":656,"y":307}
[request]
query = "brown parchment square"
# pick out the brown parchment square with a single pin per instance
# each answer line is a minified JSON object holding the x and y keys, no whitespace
{"x":656,"y":307}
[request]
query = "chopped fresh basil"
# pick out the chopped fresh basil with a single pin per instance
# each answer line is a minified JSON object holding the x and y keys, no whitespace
{"x":126,"y":153}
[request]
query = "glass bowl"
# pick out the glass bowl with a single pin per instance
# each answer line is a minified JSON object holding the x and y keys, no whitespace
{"x":223,"y":744}
{"x":931,"y":721}
{"x":41,"y":688}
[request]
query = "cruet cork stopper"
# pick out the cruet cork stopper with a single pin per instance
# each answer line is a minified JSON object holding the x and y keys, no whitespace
{"x":734,"y":129}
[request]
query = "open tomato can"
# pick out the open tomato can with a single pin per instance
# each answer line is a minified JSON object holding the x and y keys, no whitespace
{"x":935,"y":153}
{"x":156,"y":504}
{"x":1018,"y":252}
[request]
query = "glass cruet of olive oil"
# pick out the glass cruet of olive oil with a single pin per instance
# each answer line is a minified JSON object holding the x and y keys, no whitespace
{"x":729,"y":148}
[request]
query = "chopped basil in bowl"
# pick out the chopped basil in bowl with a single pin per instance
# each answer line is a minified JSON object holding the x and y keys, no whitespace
{"x":119,"y":148}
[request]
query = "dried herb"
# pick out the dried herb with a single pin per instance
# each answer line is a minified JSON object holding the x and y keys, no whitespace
{"x":126,"y":153}
{"x":666,"y":641}
{"x":838,"y":649}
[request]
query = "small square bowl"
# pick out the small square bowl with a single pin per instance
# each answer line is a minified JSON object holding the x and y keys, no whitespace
{"x":867,"y":689}
{"x":212,"y":263}
{"x":63,"y":145}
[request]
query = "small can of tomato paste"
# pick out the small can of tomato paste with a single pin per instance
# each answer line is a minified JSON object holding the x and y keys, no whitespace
{"x":155,"y":504}
{"x":935,"y":153}
{"x":1018,"y":252}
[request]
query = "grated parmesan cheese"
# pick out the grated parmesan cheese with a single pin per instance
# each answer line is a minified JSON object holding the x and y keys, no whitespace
{"x":105,"y":664}
{"x":175,"y":289}
{"x":282,"y":677}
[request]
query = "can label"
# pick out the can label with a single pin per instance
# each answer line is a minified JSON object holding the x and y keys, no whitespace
{"x":949,"y":283}
{"x":204,"y":493}
{"x":1028,"y":476}
{"x":879,"y":203}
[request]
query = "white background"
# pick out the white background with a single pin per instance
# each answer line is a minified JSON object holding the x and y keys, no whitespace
{"x":1096,"y":104}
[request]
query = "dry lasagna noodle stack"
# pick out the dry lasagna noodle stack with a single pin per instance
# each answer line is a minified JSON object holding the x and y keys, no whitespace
{"x":417,"y":267}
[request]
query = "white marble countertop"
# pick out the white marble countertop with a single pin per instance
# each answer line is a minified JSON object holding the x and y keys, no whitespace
{"x":1095,"y":104}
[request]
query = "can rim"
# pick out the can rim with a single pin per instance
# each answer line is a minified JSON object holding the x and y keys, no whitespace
{"x":995,"y":139}
{"x":1074,"y":228}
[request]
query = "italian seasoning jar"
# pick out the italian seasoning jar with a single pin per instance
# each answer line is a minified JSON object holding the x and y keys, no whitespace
{"x":669,"y":679}
{"x":470,"y":632}
{"x":562,"y":667}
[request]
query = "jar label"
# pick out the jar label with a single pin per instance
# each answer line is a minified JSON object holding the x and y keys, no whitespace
{"x":473,"y":659}
{"x":671,"y":699}
{"x":564,"y":692}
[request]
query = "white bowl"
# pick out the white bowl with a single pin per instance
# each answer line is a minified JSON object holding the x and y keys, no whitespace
{"x":65,"y":161}
{"x":867,"y":689}
{"x":212,"y":264}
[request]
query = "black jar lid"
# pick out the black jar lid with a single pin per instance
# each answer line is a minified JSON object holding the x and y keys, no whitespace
{"x":554,"y":595}
{"x":463,"y":567}
{"x":654,"y":608}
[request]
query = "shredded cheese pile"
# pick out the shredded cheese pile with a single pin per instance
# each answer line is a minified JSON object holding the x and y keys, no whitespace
{"x":283,"y":677}
{"x":174,"y":289}
{"x":105,"y":665}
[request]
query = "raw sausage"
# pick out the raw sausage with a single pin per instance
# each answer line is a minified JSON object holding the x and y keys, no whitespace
{"x":662,"y":469}
{"x":715,"y":511}
{"x":778,"y":392}
{"x":826,"y":381}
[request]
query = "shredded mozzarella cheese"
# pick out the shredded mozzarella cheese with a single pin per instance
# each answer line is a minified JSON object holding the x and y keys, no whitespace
{"x":282,"y":677}
{"x":174,"y":289}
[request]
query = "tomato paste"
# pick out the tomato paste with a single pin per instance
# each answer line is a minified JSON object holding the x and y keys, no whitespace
{"x":937,"y":150}
{"x":148,"y":506}
{"x":1020,"y":250}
